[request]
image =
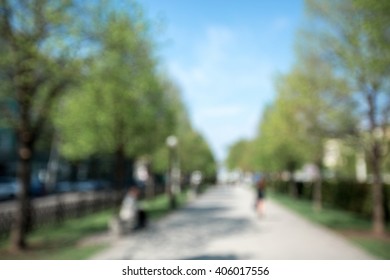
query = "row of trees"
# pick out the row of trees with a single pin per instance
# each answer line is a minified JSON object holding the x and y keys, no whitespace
{"x":89,"y":73}
{"x":338,"y":88}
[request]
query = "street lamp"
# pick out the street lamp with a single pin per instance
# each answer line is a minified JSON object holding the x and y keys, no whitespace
{"x":172,"y":144}
{"x":171,"y":141}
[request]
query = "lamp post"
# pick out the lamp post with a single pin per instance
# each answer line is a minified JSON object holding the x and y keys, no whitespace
{"x":172,"y":144}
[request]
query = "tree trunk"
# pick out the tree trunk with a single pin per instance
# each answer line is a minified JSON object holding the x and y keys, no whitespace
{"x":74,"y":171}
{"x":150,"y":184}
{"x":292,"y":188}
{"x":120,"y":174}
{"x":120,"y":165}
{"x":378,"y":218}
{"x":93,"y":168}
{"x":317,"y":195}
{"x":386,"y":204}
{"x":22,"y":221}
{"x":170,"y":181}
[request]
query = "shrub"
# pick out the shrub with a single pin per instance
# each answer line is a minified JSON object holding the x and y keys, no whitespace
{"x":350,"y":196}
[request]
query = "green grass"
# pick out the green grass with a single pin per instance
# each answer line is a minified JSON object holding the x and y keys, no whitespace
{"x":74,"y":229}
{"x":81,"y":253}
{"x":159,"y":206}
{"x":352,"y":226}
{"x":332,"y":218}
{"x":379,"y":248}
{"x":62,"y":241}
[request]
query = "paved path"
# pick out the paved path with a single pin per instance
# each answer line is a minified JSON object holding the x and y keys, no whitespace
{"x":222,"y":224}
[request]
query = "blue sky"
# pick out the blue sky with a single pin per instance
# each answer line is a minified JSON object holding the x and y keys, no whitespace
{"x":224,"y":55}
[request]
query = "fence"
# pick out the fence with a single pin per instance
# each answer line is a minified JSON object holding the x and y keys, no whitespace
{"x":57,"y":208}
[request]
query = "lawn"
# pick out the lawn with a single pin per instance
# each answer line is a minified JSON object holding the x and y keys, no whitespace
{"x":65,"y":241}
{"x":348,"y":224}
{"x":159,"y":206}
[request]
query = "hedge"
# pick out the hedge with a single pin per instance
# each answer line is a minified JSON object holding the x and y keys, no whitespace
{"x":346,"y":195}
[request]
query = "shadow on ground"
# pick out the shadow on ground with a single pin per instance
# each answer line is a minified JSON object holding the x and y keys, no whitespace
{"x":214,"y":257}
{"x":188,"y":232}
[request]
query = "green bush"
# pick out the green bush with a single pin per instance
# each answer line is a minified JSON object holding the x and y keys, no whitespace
{"x":346,"y":195}
{"x":280,"y":186}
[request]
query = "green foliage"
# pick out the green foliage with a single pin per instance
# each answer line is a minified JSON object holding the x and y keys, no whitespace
{"x":120,"y":102}
{"x":311,"y":106}
{"x":345,"y":195}
{"x":100,"y":73}
{"x":355,"y":37}
{"x":193,"y":150}
{"x":40,"y":57}
{"x":278,"y":140}
{"x":37,"y":61}
{"x":240,"y":155}
{"x":341,"y":51}
{"x":195,"y":154}
{"x":349,"y":196}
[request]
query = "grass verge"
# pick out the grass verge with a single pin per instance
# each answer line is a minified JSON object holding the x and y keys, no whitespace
{"x":159,"y":206}
{"x":63,"y":242}
{"x":355,"y":228}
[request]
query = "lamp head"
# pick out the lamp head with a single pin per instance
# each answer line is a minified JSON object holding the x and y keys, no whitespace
{"x":172,"y":141}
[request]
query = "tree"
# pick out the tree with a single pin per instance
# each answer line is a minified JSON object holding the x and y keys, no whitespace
{"x":193,"y":150}
{"x":121,"y":107}
{"x":312,"y":105}
{"x":177,"y":121}
{"x":240,"y":155}
{"x":279,"y":139}
{"x":354,"y":35}
{"x":196,"y":155}
{"x":192,"y":153}
{"x":38,"y":43}
{"x":316,"y":100}
{"x":279,"y":143}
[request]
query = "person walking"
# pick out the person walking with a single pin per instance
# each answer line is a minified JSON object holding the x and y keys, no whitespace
{"x":260,"y":188}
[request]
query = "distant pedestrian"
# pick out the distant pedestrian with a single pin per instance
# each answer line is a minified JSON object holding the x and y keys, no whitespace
{"x":195,"y":181}
{"x":260,"y":188}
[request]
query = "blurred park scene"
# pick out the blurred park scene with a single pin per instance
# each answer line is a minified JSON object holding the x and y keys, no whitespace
{"x":99,"y":98}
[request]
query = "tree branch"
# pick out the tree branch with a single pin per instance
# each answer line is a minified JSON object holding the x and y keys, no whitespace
{"x":46,"y":105}
{"x":5,"y":25}
{"x":9,"y":116}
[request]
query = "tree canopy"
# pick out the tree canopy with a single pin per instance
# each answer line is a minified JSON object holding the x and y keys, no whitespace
{"x":95,"y":78}
{"x":337,"y":88}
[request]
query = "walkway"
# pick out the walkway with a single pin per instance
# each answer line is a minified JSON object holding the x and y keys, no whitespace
{"x":222,"y":224}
